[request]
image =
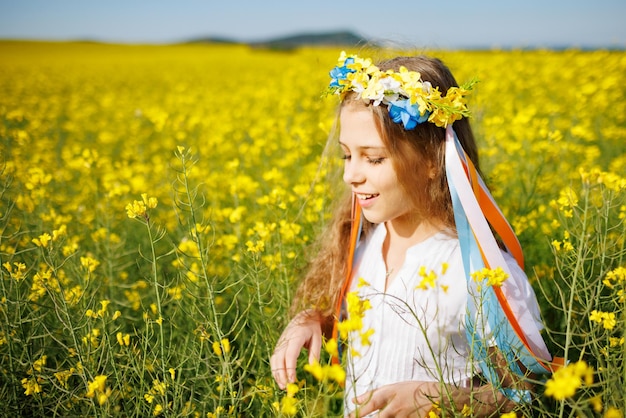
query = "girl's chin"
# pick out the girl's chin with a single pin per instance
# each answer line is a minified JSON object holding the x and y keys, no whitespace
{"x":373,"y":217}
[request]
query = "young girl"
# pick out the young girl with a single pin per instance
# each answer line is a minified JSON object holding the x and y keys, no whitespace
{"x":435,"y":335}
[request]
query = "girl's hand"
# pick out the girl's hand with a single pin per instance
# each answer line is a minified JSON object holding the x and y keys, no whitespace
{"x":304,"y":331}
{"x":404,"y":399}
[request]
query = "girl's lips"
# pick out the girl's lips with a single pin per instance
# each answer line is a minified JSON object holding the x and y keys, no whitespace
{"x":366,"y":200}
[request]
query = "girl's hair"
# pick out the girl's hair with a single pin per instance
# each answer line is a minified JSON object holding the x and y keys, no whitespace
{"x":418,"y":157}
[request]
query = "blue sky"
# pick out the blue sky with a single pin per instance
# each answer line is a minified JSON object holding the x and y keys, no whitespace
{"x":418,"y":23}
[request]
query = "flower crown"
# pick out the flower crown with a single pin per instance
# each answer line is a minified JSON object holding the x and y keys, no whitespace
{"x":410,"y":100}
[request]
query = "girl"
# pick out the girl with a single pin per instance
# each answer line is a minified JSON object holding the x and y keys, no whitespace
{"x":431,"y":335}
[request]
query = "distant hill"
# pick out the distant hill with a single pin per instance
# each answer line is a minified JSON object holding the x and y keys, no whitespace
{"x":339,"y":38}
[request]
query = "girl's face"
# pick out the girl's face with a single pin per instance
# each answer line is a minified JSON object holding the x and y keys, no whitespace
{"x":368,"y":168}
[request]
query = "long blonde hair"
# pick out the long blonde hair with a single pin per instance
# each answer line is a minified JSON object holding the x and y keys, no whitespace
{"x":410,"y":152}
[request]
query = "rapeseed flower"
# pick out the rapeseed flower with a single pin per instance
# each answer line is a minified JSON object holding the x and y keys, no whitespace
{"x":607,"y":319}
{"x":139,"y":208}
{"x":427,"y":278}
{"x":613,"y":412}
{"x":31,"y":385}
{"x":493,"y":277}
{"x":565,"y":381}
{"x":43,"y":240}
{"x":16,"y":271}
{"x":326,"y":372}
{"x":356,"y":310}
{"x":222,"y":346}
{"x":97,"y":388}
{"x":123,"y":339}
{"x":90,"y":264}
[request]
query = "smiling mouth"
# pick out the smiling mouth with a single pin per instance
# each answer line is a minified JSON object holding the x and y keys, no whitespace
{"x":366,"y":196}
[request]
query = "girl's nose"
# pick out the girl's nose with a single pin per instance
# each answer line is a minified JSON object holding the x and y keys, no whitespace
{"x":352,"y":174}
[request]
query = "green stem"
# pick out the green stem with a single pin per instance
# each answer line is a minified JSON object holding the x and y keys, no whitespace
{"x":226,"y":368}
{"x":573,"y":293}
{"x":155,"y":281}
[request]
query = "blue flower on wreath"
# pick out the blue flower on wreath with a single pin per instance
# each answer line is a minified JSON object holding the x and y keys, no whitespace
{"x":407,"y":113}
{"x":341,"y":73}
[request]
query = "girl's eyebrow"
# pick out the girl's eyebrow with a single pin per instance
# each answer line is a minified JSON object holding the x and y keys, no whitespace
{"x":366,"y":147}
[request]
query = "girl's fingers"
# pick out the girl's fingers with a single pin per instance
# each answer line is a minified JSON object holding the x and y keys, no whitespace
{"x":277,"y":363}
{"x":315,"y":349}
{"x":291,"y":358}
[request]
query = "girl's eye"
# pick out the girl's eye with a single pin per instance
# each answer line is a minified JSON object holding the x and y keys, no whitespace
{"x":345,"y":157}
{"x":376,"y":161}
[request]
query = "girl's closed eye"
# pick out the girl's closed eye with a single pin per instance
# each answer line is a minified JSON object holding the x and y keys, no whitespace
{"x":375,"y":161}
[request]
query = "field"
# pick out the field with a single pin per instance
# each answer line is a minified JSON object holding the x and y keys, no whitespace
{"x":158,"y":202}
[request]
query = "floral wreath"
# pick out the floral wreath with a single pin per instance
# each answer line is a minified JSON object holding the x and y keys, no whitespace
{"x":410,"y":100}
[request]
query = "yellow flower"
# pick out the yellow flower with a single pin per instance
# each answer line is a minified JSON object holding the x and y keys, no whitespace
{"x":292,"y":389}
{"x":104,"y":304}
{"x":444,"y":268}
{"x":596,"y":403}
{"x":607,"y":319}
{"x":332,"y":347}
{"x":365,"y":337}
{"x":63,"y":376}
{"x":495,"y":277}
{"x":90,"y":264}
{"x":509,"y":415}
{"x":18,"y":273}
{"x":139,"y":208}
{"x":38,"y":364}
{"x":31,"y":386}
{"x":217,"y":349}
{"x":613,"y":412}
{"x":288,"y":406}
{"x":333,"y":372}
{"x":362,"y":283}
{"x":158,"y":387}
{"x":428,"y":278}
{"x":315,"y":369}
{"x":123,"y":339}
{"x":96,"y":388}
{"x":43,"y":240}
{"x":565,"y":381}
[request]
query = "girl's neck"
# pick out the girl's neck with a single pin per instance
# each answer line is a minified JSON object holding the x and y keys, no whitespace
{"x":407,"y":233}
{"x":401,"y":236}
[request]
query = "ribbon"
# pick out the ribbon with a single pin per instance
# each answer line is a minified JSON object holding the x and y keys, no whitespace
{"x":356,"y":226}
{"x":505,"y":318}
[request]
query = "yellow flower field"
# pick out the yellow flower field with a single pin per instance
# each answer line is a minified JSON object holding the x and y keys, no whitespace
{"x":157,"y":204}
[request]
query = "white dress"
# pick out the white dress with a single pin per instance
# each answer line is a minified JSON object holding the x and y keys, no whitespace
{"x":418,"y":323}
